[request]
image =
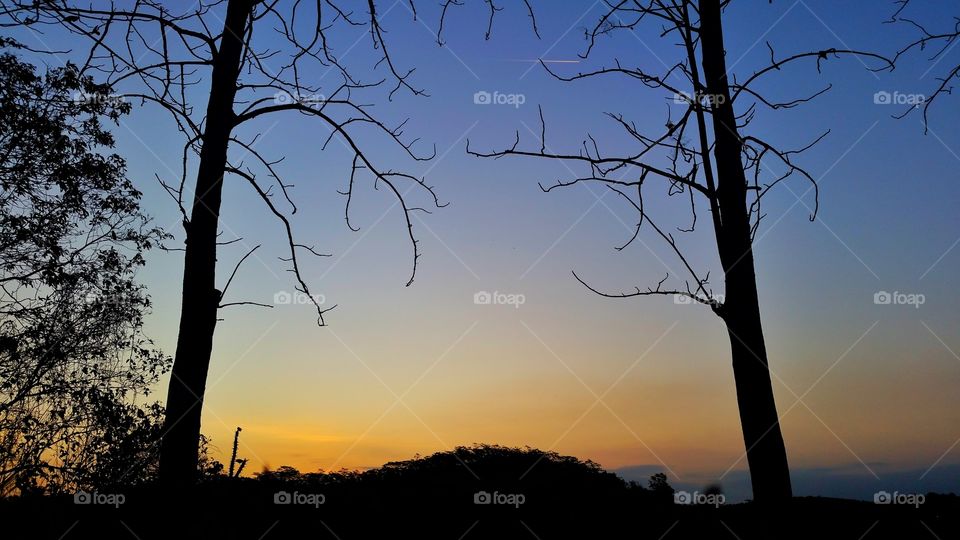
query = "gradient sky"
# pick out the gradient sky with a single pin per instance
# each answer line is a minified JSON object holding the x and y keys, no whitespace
{"x":866,"y":391}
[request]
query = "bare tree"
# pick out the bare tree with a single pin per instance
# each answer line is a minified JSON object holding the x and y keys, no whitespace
{"x":940,"y":40}
{"x":260,"y":58}
{"x":705,"y":157}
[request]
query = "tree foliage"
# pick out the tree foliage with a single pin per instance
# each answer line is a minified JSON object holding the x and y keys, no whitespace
{"x":72,"y":236}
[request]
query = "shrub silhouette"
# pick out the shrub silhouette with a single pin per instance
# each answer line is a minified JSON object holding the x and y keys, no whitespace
{"x":451,"y":479}
{"x":433,"y":497}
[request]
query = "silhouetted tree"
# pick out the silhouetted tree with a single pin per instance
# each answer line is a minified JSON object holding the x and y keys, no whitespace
{"x":941,"y":40}
{"x":234,"y":471}
{"x":658,"y":484}
{"x":260,"y":58}
{"x":72,"y":353}
{"x":126,"y":449}
{"x":703,"y":156}
{"x":208,"y":467}
{"x":468,"y":469}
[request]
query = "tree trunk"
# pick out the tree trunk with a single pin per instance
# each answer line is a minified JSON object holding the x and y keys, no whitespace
{"x":766,"y":454}
{"x":198,"y":314}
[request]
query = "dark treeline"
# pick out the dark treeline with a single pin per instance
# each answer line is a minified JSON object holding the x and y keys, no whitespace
{"x":86,"y":450}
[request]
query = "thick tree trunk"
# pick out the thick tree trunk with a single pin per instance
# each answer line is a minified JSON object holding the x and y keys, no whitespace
{"x":766,"y":454}
{"x":198,"y":315}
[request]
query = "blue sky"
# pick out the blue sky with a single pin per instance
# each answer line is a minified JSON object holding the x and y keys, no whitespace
{"x":420,"y":369}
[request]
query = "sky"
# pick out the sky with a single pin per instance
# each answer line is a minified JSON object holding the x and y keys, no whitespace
{"x":866,"y":391}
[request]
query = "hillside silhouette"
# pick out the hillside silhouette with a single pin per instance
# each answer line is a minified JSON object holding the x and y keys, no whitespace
{"x":468,"y":492}
{"x":180,"y":138}
{"x":453,"y":478}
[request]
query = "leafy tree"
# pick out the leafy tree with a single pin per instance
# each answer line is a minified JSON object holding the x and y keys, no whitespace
{"x":261,"y":59}
{"x":72,"y":353}
{"x":658,"y":484}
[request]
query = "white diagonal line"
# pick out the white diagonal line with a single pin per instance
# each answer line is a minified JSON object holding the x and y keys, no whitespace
{"x":952,"y":446}
{"x":864,"y":535}
{"x":445,"y":46}
{"x":945,"y":346}
{"x":561,"y":237}
{"x":198,"y":400}
{"x":767,"y":230}
{"x":729,"y":530}
{"x":555,"y":43}
{"x":270,"y":528}
{"x":943,"y":54}
{"x":399,"y":398}
{"x":936,"y":262}
{"x":244,"y":354}
{"x":844,"y":244}
{"x":842,"y":42}
{"x":759,"y":39}
{"x":937,"y":137}
{"x":448,"y":248}
{"x":337,"y":259}
{"x":599,"y":399}
{"x":937,"y":462}
{"x":799,"y":400}
{"x":599,"y":199}
{"x":462,"y":536}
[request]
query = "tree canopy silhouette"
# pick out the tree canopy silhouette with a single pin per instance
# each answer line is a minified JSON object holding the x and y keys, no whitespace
{"x":261,"y":59}
{"x":72,"y":352}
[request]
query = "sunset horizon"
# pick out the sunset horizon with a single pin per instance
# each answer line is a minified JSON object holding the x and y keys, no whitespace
{"x":694,"y":259}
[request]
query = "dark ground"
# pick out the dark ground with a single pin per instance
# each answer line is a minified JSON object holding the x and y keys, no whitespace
{"x":434,"y":497}
{"x":214,"y":515}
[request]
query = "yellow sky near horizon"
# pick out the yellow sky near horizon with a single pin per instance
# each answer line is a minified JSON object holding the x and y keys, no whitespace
{"x":659,"y":410}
